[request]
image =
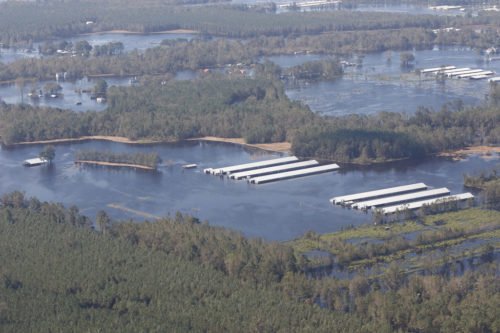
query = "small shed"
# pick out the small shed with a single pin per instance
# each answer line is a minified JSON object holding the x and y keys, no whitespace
{"x":34,"y":162}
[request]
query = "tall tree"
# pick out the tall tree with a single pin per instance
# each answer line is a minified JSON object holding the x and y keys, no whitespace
{"x":103,"y":221}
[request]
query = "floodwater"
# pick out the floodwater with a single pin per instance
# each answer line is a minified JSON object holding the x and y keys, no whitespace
{"x":381,"y":84}
{"x":275,"y":211}
{"x":139,"y":42}
{"x":11,"y":94}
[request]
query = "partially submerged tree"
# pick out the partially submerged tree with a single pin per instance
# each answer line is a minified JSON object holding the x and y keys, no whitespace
{"x":48,"y":154}
{"x":406,"y":59}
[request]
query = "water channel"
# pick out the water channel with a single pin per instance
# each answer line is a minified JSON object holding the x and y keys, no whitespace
{"x":275,"y":211}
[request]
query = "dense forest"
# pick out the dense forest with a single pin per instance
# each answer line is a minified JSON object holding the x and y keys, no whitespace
{"x":226,"y":106}
{"x":178,"y":274}
{"x":390,"y":135}
{"x":23,"y":23}
{"x":150,"y":160}
{"x":64,"y":19}
{"x":357,"y":145}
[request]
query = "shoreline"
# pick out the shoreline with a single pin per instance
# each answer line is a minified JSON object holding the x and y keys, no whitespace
{"x":115,"y":164}
{"x":129,"y":32}
{"x":119,"y":139}
{"x":459,"y":154}
{"x":129,"y":210}
{"x":279,"y":147}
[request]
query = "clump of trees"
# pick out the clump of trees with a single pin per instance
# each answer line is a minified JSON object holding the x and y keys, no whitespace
{"x":149,"y":160}
{"x":356,"y":145}
{"x":489,"y":183}
{"x":317,"y":70}
{"x":407,"y":59}
{"x":48,"y":153}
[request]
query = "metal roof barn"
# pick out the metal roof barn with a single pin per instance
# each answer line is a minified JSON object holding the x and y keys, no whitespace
{"x":456,"y":70}
{"x":254,"y":165}
{"x":419,"y":204}
{"x":464,"y":76}
{"x":274,"y":169}
{"x":293,"y":174}
{"x":401,"y":198}
{"x":378,"y":193}
{"x":470,"y":71}
{"x":436,"y":69}
{"x":478,"y":77}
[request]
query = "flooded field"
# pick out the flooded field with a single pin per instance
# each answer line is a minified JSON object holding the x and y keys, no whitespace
{"x":139,"y":42}
{"x":381,"y":84}
{"x":378,"y":84}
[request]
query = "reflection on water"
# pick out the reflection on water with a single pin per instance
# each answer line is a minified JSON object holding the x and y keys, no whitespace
{"x":276,"y":211}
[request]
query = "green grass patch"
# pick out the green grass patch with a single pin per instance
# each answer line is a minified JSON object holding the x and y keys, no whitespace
{"x":375,"y":231}
{"x":459,"y":219}
{"x":476,"y":223}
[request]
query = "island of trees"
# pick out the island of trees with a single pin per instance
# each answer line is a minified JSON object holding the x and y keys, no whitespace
{"x":136,"y":160}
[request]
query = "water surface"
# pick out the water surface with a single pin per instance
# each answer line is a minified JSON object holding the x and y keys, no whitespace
{"x":275,"y":211}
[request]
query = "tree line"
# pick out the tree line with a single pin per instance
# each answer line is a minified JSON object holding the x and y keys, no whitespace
{"x":389,"y":135}
{"x":358,"y":145}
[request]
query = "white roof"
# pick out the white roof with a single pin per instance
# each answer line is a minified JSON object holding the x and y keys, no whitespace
{"x":418,"y":204}
{"x":479,"y":77}
{"x":437,"y":69}
{"x":494,"y":79}
{"x":378,"y":193}
{"x":401,"y":198}
{"x":255,"y":165}
{"x":463,"y":76}
{"x":36,"y":160}
{"x":465,"y":72}
{"x":456,"y":70}
{"x":294,"y":174}
{"x":257,"y":172}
